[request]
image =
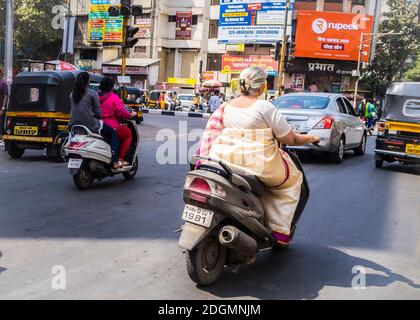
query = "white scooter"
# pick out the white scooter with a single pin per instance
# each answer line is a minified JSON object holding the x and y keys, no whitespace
{"x":89,"y":156}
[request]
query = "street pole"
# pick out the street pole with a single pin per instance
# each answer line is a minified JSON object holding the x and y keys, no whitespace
{"x":152,"y":28}
{"x":68,"y":16}
{"x":124,"y":49}
{"x":9,"y":41}
{"x":280,"y":80}
{"x":356,"y":87}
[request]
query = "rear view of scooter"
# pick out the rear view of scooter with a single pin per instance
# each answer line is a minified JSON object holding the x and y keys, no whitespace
{"x":90,"y":158}
{"x":224,"y":219}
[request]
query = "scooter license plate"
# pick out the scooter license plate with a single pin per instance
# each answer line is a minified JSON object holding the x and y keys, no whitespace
{"x":75,"y":163}
{"x":196,"y":215}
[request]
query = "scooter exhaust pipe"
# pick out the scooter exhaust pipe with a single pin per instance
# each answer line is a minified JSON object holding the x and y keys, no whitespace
{"x":235,"y":239}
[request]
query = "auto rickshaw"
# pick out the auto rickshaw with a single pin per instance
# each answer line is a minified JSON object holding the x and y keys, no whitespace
{"x":399,"y":127}
{"x":137,"y":100}
{"x":153,"y":102}
{"x":39,"y":112}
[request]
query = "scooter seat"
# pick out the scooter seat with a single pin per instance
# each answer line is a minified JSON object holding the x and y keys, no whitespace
{"x":97,"y":136}
{"x":257,"y":187}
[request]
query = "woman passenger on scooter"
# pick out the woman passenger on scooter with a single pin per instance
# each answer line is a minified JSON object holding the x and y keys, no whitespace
{"x":246,"y":134}
{"x":113,"y":111}
{"x":86,"y":111}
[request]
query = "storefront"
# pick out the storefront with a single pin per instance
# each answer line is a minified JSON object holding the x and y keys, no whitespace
{"x":328,"y":75}
{"x":137,"y":69}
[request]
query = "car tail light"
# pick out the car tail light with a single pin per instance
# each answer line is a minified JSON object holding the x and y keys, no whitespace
{"x":325,"y":123}
{"x":44,"y":124}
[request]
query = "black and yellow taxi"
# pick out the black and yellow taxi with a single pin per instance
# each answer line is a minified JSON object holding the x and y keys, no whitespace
{"x":136,"y":99}
{"x":39,"y":112}
{"x":399,"y":127}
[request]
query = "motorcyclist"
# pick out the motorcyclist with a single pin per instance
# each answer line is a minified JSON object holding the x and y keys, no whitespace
{"x":367,"y":110}
{"x":86,"y":111}
{"x":113,"y":111}
{"x":246,"y":133}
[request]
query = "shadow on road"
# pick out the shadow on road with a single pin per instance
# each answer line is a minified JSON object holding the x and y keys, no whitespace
{"x":1,"y":268}
{"x":301,"y":272}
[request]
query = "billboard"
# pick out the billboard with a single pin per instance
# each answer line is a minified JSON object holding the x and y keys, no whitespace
{"x":250,"y":21}
{"x":102,"y":27}
{"x":145,"y":27}
{"x":183,"y":25}
{"x":332,"y":35}
{"x":235,"y":64}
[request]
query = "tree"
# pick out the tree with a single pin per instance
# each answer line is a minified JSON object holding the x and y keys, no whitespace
{"x":414,"y":73}
{"x":33,"y":28}
{"x":394,"y":53}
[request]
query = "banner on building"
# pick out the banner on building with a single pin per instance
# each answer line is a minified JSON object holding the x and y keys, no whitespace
{"x":145,"y":27}
{"x":183,"y":30}
{"x":130,"y":70}
{"x":297,"y":82}
{"x":102,"y":27}
{"x":250,"y":21}
{"x":332,"y":35}
{"x":235,"y":64}
{"x":239,"y":47}
{"x":182,"y":81}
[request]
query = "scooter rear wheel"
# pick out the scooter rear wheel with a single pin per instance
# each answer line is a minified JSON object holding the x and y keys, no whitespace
{"x":84,"y":179}
{"x":206,"y":263}
{"x":131,"y":174}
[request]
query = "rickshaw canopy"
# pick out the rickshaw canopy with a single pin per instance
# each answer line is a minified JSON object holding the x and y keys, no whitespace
{"x":402,"y":102}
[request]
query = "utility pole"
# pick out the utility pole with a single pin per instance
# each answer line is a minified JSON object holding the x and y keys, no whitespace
{"x":9,"y":41}
{"x":152,"y":28}
{"x":280,"y":80}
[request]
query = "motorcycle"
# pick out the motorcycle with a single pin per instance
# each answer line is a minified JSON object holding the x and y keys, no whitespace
{"x":224,"y":219}
{"x":89,"y":156}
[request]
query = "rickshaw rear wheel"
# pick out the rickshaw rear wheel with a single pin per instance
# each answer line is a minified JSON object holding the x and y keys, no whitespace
{"x":14,"y":151}
{"x":84,"y":179}
{"x":379,"y":163}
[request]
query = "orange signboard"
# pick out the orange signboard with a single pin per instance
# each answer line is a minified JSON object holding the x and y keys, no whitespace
{"x":332,"y":35}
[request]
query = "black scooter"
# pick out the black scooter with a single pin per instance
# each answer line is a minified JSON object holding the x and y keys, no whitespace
{"x":224,"y":219}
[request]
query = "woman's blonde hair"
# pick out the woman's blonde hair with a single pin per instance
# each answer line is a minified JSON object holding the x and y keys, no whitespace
{"x":251,"y":80}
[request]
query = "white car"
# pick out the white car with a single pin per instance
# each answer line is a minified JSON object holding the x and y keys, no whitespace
{"x":186,"y":102}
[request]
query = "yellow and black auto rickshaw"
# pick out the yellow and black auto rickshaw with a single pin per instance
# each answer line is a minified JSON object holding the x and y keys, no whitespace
{"x":153,"y":102}
{"x":39,"y":112}
{"x":136,"y":99}
{"x":399,"y":128}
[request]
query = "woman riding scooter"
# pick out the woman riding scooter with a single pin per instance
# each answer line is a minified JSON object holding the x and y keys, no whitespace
{"x":113,"y":111}
{"x":86,"y":111}
{"x":246,"y":133}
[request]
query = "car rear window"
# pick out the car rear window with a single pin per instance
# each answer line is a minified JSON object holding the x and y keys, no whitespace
{"x":301,"y":102}
{"x":188,"y":98}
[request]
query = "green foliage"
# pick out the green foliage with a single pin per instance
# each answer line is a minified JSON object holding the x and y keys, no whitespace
{"x":32,"y":27}
{"x":393,"y":52}
{"x":414,"y":73}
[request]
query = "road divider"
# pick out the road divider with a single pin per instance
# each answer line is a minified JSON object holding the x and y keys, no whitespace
{"x":177,"y":113}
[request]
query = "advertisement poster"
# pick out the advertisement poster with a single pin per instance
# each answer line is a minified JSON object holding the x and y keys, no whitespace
{"x":183,"y":25}
{"x":248,"y":21}
{"x":235,"y":64}
{"x":332,"y":35}
{"x":145,"y":26}
{"x":102,"y":27}
{"x":297,"y":83}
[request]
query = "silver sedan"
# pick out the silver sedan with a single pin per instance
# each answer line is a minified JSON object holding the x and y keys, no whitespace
{"x":328,"y":116}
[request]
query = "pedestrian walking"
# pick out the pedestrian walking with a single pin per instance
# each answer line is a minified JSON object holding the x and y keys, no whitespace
{"x":214,"y":102}
{"x":4,"y":99}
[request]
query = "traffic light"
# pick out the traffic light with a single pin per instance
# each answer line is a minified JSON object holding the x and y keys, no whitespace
{"x":291,"y":48}
{"x":125,"y":9}
{"x":130,"y":41}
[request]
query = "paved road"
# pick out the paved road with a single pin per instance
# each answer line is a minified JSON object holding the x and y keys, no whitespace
{"x":118,"y":242}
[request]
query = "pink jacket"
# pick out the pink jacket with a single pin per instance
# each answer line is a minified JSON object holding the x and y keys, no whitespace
{"x":113,"y":110}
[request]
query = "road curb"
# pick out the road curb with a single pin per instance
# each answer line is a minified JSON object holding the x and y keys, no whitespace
{"x":177,"y":113}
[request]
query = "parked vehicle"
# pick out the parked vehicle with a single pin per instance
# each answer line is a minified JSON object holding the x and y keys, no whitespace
{"x":39,"y":112}
{"x":328,"y":116}
{"x":90,"y":158}
{"x":224,"y":219}
{"x":186,"y":102}
{"x":399,"y":128}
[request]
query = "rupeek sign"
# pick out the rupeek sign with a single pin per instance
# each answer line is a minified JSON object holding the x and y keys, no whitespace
{"x":332,"y":35}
